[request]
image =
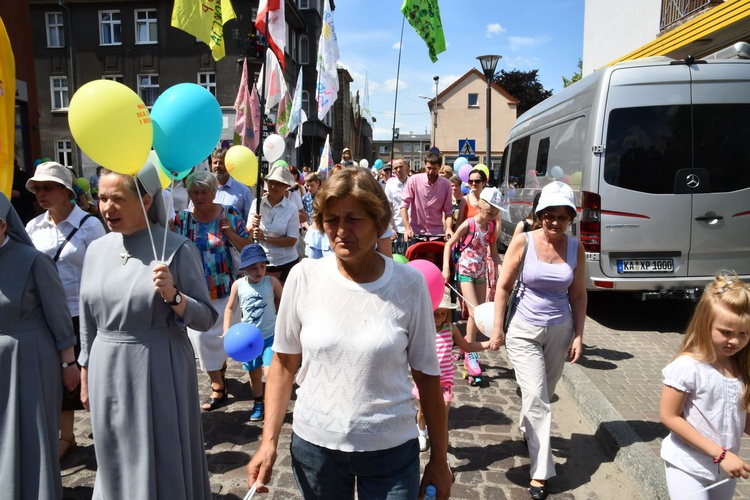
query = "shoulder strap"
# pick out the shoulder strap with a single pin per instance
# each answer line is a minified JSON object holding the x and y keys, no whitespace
{"x":523,"y":257}
{"x":469,"y":235}
{"x":68,"y":238}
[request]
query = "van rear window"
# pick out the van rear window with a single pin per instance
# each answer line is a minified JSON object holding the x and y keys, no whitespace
{"x":517,"y":165}
{"x":647,"y":146}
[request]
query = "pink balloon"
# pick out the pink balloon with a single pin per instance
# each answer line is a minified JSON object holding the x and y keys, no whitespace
{"x":434,"y":278}
{"x":464,"y":171}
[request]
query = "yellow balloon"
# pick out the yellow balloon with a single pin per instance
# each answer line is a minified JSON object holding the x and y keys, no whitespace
{"x":111,"y":125}
{"x":483,"y":168}
{"x":163,"y":177}
{"x":242,"y":164}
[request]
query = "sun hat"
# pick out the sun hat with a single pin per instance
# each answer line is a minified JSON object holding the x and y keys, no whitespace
{"x":281,"y":174}
{"x":447,"y":302}
{"x":387,"y":166}
{"x":346,"y":150}
{"x":252,"y":254}
{"x":556,"y":194}
{"x":493,"y":196}
{"x":51,"y":171}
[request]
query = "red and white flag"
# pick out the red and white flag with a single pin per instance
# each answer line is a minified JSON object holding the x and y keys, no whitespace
{"x":275,"y":84}
{"x":276,"y":29}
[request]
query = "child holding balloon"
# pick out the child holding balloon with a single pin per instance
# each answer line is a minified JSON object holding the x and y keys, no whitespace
{"x":446,"y":334}
{"x":258,"y":296}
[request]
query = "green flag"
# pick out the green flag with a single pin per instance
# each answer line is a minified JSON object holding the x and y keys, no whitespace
{"x":424,"y":17}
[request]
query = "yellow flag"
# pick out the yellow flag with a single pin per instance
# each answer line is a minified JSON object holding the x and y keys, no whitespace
{"x":7,"y":111}
{"x":204,"y":19}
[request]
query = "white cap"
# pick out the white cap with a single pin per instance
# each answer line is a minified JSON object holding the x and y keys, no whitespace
{"x":556,"y":194}
{"x":492,"y":196}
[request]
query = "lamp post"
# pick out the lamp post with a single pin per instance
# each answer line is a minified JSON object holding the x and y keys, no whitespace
{"x":434,"y":118}
{"x":489,"y":63}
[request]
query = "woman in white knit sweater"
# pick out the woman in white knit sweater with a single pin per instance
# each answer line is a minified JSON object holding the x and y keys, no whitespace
{"x":349,"y":327}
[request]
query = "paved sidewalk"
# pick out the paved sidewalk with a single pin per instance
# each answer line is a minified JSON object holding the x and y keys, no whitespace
{"x":486,"y":450}
{"x":617,"y":384}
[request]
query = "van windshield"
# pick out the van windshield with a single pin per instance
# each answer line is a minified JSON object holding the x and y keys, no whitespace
{"x":647,"y":146}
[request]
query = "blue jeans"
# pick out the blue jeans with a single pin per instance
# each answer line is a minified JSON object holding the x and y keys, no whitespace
{"x":321,"y":473}
{"x":399,"y":245}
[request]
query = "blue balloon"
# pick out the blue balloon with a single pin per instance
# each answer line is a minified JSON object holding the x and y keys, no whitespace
{"x":464,"y":188}
{"x":459,"y":162}
{"x":378,"y":164}
{"x":243,"y":342}
{"x":187,"y":126}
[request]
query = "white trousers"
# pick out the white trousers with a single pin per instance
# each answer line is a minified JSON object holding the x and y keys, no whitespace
{"x":538,"y":354}
{"x":209,"y":346}
{"x":683,"y":485}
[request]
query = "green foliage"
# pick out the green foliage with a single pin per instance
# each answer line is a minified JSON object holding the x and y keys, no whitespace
{"x":524,"y":86}
{"x":576,"y":76}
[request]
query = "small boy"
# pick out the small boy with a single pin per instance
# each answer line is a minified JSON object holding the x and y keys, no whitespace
{"x":258,"y":296}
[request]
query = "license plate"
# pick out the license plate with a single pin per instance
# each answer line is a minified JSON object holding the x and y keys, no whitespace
{"x":645,"y":266}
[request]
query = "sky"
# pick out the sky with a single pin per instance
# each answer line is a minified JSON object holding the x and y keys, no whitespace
{"x":546,"y":35}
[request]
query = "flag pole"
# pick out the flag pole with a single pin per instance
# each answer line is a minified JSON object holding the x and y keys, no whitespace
{"x":395,"y":102}
{"x":262,"y":102}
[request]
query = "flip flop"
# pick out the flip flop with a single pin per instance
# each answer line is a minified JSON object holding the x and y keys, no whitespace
{"x":214,"y":403}
{"x":69,"y":447}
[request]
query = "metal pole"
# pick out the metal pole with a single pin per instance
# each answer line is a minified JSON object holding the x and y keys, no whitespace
{"x":434,"y":118}
{"x":488,"y":157}
{"x":262,"y":99}
{"x":395,"y":101}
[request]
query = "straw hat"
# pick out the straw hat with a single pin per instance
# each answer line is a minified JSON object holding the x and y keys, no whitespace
{"x":51,"y":171}
{"x":447,"y":302}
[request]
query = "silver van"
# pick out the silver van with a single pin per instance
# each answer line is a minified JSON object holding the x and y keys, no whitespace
{"x":658,"y":153}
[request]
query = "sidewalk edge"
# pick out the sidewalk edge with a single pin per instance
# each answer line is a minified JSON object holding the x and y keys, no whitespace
{"x":634,"y":458}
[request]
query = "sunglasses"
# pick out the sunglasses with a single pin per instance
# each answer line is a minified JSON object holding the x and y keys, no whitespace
{"x":46,"y":187}
{"x":562,"y":219}
{"x":475,"y":181}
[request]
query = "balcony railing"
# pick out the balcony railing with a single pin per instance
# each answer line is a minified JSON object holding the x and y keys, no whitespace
{"x":675,"y":12}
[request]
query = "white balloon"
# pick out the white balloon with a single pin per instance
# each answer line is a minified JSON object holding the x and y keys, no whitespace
{"x":273,"y":147}
{"x":484,"y":317}
{"x":364,"y":163}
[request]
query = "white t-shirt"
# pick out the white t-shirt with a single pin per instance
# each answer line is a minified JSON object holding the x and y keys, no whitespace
{"x":393,"y":188}
{"x":281,"y":219}
{"x":713,"y":398}
{"x":357,"y":342}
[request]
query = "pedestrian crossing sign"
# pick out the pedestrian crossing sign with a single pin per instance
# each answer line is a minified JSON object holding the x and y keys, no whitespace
{"x":467,"y":147}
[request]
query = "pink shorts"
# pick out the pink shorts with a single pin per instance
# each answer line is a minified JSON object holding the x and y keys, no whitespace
{"x":447,"y":391}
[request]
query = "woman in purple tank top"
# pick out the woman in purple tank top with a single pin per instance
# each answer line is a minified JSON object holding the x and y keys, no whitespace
{"x":547,"y":325}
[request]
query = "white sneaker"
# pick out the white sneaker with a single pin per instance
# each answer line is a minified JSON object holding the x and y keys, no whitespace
{"x":424,"y":441}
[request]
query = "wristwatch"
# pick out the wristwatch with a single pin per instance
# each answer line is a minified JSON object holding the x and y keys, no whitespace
{"x":177,"y":299}
{"x":66,"y":364}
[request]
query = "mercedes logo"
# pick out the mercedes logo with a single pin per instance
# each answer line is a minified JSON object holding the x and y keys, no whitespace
{"x":693,"y":181}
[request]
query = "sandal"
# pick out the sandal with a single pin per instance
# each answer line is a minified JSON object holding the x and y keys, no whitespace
{"x":213,"y":403}
{"x":69,"y":446}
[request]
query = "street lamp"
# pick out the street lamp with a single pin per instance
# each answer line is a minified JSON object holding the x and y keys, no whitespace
{"x":433,"y":138}
{"x":489,"y":63}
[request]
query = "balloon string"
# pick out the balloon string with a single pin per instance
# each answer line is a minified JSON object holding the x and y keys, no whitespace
{"x":145,"y":215}
{"x":170,"y":210}
{"x":459,"y":294}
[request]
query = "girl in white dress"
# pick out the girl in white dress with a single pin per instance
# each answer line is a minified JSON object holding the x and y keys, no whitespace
{"x":706,"y":396}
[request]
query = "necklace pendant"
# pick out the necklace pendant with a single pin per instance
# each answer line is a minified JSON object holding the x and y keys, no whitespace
{"x":125,"y":256}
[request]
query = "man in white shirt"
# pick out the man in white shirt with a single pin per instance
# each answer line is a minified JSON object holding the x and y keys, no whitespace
{"x":393,"y":188}
{"x":231,"y":192}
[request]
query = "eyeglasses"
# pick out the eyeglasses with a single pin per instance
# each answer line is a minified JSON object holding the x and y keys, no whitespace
{"x":475,"y":181}
{"x":562,"y":219}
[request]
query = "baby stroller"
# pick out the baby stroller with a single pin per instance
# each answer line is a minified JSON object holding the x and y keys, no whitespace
{"x":432,"y":250}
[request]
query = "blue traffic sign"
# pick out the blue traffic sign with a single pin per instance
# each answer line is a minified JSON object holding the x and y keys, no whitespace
{"x":467,"y":147}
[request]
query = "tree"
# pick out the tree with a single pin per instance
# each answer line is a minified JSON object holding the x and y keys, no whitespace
{"x":524,"y":86}
{"x":576,"y":76}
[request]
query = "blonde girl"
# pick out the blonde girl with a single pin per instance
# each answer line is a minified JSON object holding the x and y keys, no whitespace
{"x":446,"y":334}
{"x":706,"y":395}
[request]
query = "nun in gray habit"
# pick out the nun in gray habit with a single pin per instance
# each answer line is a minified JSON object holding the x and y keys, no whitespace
{"x":138,"y":373}
{"x":36,"y":359}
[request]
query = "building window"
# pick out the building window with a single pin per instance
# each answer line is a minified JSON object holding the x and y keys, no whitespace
{"x":306,"y":102}
{"x":110,"y":27}
{"x":55,"y":30}
{"x":148,"y":88}
{"x":407,"y":148}
{"x":304,"y":50}
{"x":293,"y":44}
{"x":114,"y":78}
{"x":59,"y":92}
{"x":145,"y":26}
{"x":207,"y":80}
{"x":64,"y":152}
{"x":383,"y":150}
{"x":473,"y":100}
{"x":303,"y":4}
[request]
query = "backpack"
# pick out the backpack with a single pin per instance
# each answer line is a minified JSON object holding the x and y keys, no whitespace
{"x":469,"y":237}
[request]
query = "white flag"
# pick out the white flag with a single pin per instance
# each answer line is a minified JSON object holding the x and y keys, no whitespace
{"x":294,"y":114}
{"x":327,"y":87}
{"x":326,"y":159}
{"x":302,"y":120}
{"x":275,"y":85}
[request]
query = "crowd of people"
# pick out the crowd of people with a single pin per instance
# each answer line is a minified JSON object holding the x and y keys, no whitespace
{"x":309,"y":265}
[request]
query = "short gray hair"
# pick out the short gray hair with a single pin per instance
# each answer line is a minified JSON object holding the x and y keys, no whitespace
{"x":202,"y":180}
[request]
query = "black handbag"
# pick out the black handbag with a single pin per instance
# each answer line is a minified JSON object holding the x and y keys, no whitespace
{"x":510,"y":308}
